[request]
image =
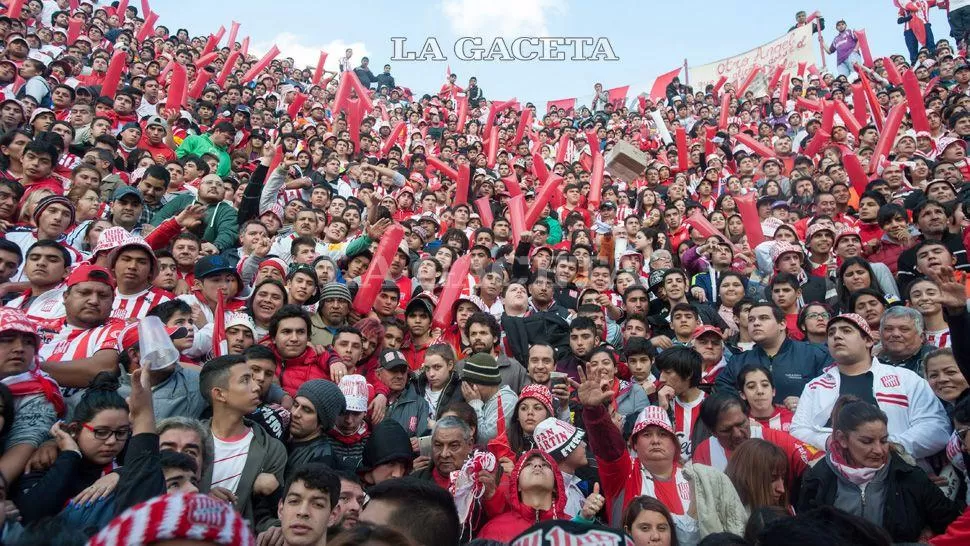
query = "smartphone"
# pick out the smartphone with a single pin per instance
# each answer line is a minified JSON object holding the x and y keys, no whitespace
{"x":424,"y":446}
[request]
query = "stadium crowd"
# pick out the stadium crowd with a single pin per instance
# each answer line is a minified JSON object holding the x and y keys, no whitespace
{"x":246,"y":302}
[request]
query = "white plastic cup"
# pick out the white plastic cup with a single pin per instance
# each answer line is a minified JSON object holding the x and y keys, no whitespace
{"x":155,"y":347}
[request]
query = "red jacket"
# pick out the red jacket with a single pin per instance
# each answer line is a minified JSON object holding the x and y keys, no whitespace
{"x":295,"y":372}
{"x":888,"y":253}
{"x":520,"y":517}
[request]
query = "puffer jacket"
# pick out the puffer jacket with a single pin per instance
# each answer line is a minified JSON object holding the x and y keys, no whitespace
{"x":520,"y":517}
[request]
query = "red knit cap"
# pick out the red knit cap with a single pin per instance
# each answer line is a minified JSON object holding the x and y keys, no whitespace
{"x":540,"y":393}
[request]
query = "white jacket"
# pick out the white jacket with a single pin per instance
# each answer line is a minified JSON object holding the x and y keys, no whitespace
{"x":917,"y":420}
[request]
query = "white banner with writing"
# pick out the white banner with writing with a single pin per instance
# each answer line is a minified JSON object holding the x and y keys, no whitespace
{"x":797,"y":46}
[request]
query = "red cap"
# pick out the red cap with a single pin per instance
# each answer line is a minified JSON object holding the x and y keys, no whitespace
{"x":90,"y":273}
{"x":705,"y":329}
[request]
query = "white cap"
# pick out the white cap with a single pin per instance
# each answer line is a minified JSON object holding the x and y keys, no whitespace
{"x":240,"y":319}
{"x":356,"y":392}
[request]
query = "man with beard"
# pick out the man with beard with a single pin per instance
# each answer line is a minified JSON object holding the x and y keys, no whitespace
{"x":583,"y":338}
{"x":405,"y":405}
{"x":315,"y":408}
{"x":346,"y":513}
{"x":332,"y":313}
{"x":541,"y":294}
{"x":484,"y":334}
{"x":126,"y":206}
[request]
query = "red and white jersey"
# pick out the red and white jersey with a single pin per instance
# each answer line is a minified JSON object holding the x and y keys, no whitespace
{"x":61,"y":341}
{"x":938,"y":338}
{"x":779,"y":420}
{"x":685,"y":415}
{"x":136,"y":306}
{"x":45,"y":307}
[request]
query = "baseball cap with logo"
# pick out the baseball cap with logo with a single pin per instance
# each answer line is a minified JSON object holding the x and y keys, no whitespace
{"x":391,"y":359}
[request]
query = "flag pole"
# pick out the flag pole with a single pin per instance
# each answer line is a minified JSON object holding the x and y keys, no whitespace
{"x":686,"y":73}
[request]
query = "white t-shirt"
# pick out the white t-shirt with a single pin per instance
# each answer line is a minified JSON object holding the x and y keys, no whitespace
{"x":432,"y":397}
{"x":230,"y":459}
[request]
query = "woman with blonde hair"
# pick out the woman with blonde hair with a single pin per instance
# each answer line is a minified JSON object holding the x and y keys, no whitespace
{"x":758,"y":469}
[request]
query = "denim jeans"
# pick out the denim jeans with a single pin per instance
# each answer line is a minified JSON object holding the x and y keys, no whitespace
{"x":845,"y":68}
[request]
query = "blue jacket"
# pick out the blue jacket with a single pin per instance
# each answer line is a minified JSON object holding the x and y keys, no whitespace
{"x":796,"y":363}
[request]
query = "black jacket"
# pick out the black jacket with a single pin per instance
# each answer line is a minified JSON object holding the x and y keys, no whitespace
{"x":451,"y":392}
{"x":317,"y":450}
{"x":912,"y":503}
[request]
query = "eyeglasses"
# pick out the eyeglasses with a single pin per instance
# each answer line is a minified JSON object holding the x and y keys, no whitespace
{"x":104,"y":433}
{"x":822,"y":315}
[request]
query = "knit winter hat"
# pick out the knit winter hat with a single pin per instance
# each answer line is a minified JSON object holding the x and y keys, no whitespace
{"x":177,"y":516}
{"x":51,"y":200}
{"x":388,"y":443}
{"x":481,"y":369}
{"x":335,"y":290}
{"x":537,"y":392}
{"x":327,"y":399}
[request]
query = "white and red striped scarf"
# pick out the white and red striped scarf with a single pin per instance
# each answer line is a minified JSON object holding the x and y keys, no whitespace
{"x":36,"y":381}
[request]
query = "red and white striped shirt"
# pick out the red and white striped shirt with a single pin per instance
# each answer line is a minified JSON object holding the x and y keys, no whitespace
{"x":938,"y":338}
{"x":45,"y":307}
{"x":63,"y":342}
{"x":136,"y":306}
{"x":779,"y":420}
{"x":685,"y":415}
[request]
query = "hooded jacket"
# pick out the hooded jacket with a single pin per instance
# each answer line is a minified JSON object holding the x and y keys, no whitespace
{"x":520,"y":517}
{"x":410,"y":410}
{"x":220,"y":225}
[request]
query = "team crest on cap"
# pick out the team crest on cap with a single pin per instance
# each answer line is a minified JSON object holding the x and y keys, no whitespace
{"x":206,"y":511}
